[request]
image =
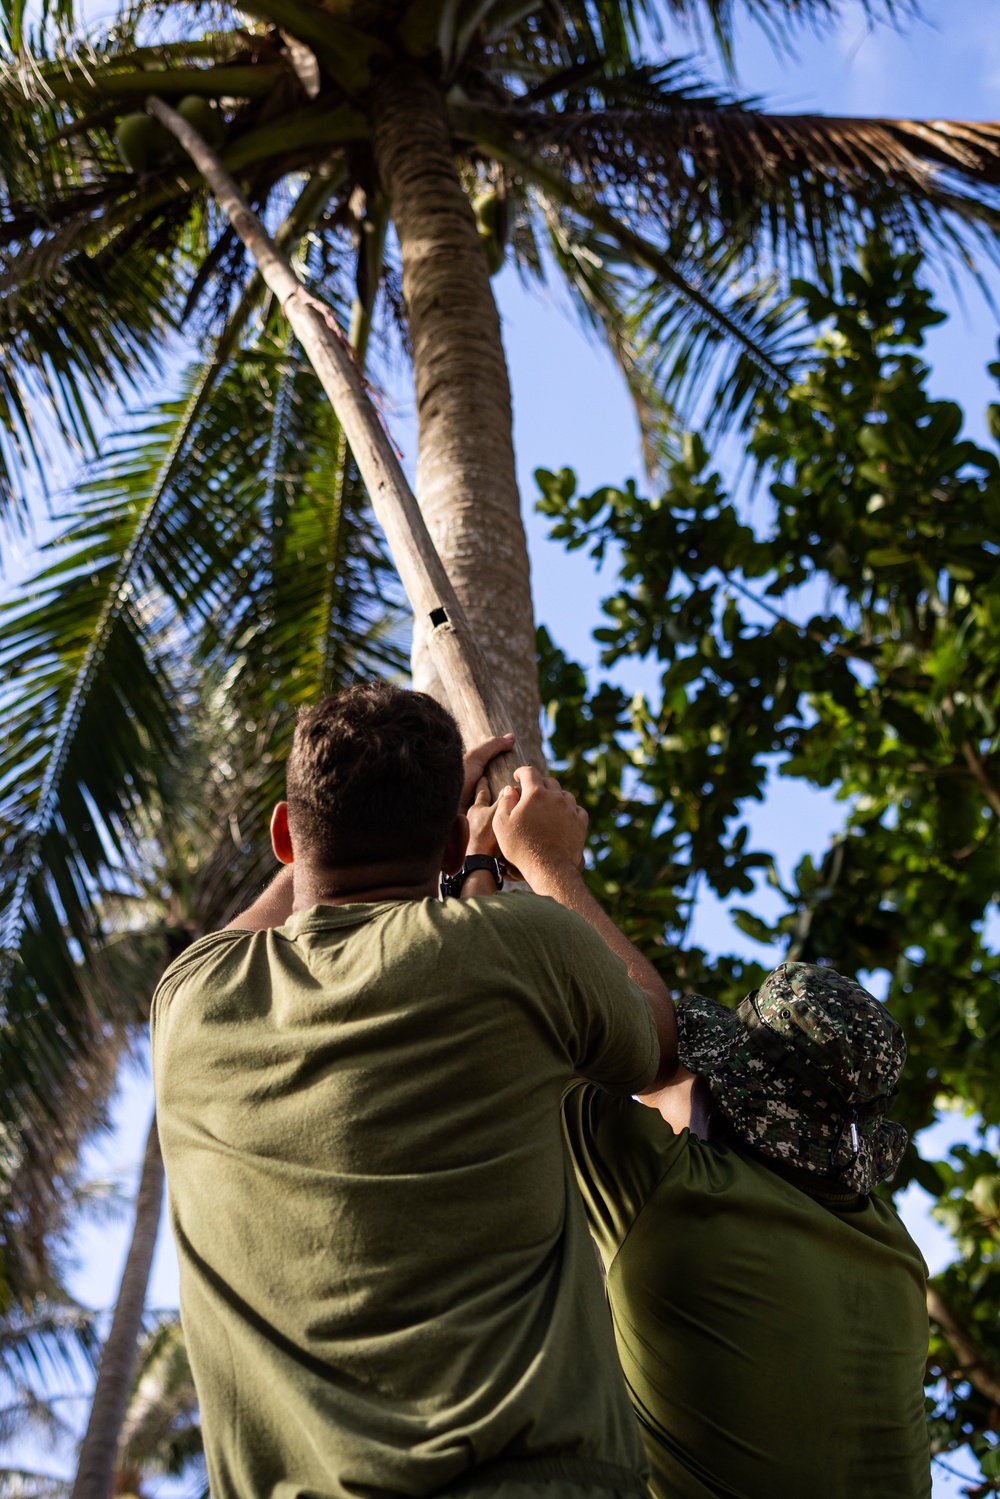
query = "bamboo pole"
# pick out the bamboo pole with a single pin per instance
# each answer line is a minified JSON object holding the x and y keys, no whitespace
{"x":474,"y":699}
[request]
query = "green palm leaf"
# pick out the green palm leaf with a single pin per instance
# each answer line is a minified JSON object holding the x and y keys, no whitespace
{"x":165,"y":538}
{"x":59,"y":357}
{"x":165,"y":518}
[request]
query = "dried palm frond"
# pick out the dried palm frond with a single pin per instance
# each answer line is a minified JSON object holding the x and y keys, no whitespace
{"x":793,"y":180}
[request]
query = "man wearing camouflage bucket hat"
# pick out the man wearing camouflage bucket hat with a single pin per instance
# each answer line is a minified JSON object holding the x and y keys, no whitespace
{"x":769,"y":1311}
{"x":804,"y":1071}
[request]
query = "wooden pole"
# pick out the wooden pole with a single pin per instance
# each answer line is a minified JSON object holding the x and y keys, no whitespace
{"x":463,"y":669}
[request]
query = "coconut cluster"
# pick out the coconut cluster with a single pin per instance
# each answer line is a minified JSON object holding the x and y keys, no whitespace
{"x":144,"y":144}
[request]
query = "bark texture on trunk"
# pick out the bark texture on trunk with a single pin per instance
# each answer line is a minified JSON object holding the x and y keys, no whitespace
{"x":466,"y":484}
{"x":95,"y":1469}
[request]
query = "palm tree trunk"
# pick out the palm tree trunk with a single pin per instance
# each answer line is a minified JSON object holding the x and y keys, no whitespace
{"x":466,"y":484}
{"x":95,"y":1470}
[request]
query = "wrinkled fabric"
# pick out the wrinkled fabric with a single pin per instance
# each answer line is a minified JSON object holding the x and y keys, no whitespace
{"x":773,"y":1340}
{"x":386,"y":1276}
{"x":804,"y":1070}
{"x":548,"y":1478}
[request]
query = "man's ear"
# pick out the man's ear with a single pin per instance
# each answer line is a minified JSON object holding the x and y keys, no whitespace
{"x":281,"y":839}
{"x":454,"y":850}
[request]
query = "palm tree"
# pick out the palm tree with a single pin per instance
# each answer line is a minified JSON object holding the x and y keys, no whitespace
{"x":167,"y":707}
{"x":192,"y":886}
{"x":160,"y":1433}
{"x":666,"y":204}
{"x":118,"y":1356}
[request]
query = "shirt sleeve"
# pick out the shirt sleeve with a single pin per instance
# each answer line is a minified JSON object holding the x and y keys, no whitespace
{"x":191,"y":966}
{"x":620,"y":1152}
{"x":612,"y":1035}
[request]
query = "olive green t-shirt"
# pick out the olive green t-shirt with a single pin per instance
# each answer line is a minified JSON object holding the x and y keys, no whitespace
{"x":773,"y":1343}
{"x":386,"y":1275}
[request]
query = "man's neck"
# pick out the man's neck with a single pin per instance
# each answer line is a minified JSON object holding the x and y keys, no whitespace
{"x":362,"y":884}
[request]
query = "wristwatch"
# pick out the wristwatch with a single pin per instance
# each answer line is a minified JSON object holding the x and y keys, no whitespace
{"x":451,"y":884}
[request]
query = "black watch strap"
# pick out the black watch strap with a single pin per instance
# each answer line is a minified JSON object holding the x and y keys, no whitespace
{"x":451,"y":884}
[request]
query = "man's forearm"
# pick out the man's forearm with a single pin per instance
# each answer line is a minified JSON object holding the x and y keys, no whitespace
{"x":566,"y":885}
{"x":272,"y":908}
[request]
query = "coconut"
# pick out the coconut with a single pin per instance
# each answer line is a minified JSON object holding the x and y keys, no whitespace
{"x":206,"y":119}
{"x":142,"y":142}
{"x":490,"y":217}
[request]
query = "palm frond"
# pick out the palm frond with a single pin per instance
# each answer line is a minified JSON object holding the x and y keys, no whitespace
{"x":780,"y":18}
{"x":191,"y":528}
{"x":320,"y":593}
{"x":80,"y":233}
{"x":55,"y":645}
{"x":213,"y":558}
{"x":690,"y":354}
{"x":37,"y":1342}
{"x":59,"y":356}
{"x":150,"y":476}
{"x":789,"y":184}
{"x":667,"y":253}
{"x":65,"y":1023}
{"x":94,"y":725}
{"x":160,"y":1434}
{"x":27,"y":1483}
{"x":683,"y":320}
{"x":666,"y":262}
{"x":677,"y":351}
{"x":319,"y":605}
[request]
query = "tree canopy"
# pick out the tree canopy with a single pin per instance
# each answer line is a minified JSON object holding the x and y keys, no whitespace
{"x":413,"y":144}
{"x":673,"y":207}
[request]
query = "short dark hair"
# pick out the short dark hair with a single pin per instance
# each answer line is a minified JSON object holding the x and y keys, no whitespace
{"x":374,"y":774}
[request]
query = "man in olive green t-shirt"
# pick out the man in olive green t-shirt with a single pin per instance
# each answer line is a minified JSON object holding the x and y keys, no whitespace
{"x":769,"y":1311}
{"x":387,"y":1285}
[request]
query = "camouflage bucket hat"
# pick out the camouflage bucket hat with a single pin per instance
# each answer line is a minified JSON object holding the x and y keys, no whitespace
{"x":805,"y":1071}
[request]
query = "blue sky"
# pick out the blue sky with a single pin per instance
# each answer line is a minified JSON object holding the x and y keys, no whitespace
{"x":571,"y":409}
